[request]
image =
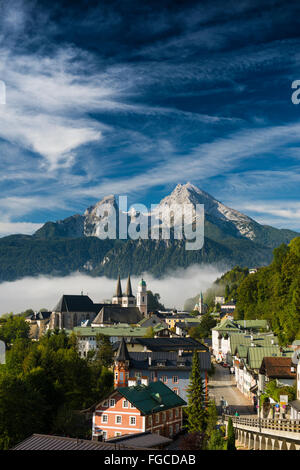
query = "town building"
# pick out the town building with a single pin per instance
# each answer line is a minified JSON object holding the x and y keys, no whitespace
{"x":276,"y":368}
{"x":87,"y":336}
{"x":171,"y":365}
{"x":38,"y":322}
{"x":200,"y":306}
{"x":221,"y":335}
{"x":135,"y":408}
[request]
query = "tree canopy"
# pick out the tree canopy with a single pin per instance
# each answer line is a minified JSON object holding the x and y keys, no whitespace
{"x":44,"y":383}
{"x":273,"y":293}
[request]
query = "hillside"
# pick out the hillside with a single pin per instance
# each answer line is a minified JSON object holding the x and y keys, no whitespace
{"x":273,"y":293}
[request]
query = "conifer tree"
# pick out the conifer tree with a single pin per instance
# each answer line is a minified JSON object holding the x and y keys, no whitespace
{"x":212,"y":417}
{"x":196,"y":405}
{"x":230,"y":436}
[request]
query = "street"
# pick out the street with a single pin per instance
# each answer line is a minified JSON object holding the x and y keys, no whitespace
{"x":222,"y":384}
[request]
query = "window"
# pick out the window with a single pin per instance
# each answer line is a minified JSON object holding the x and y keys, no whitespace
{"x":171,"y":430}
{"x":116,"y":375}
{"x":157,"y":418}
{"x":105,"y":404}
{"x":132,"y":420}
{"x":164,"y":379}
{"x":138,"y":375}
{"x":118,"y":419}
{"x":164,"y":416}
{"x":131,"y":405}
{"x":104,"y":435}
{"x":175,"y":379}
{"x":125,"y":404}
{"x":112,"y":402}
{"x":177,"y":428}
{"x":176,"y":413}
{"x":104,"y":419}
{"x":175,"y":390}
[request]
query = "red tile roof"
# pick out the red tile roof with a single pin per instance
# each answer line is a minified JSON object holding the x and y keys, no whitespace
{"x":278,"y":367}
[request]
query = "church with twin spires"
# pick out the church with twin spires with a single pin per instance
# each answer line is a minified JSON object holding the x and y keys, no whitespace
{"x":128,"y":299}
{"x":80,"y":310}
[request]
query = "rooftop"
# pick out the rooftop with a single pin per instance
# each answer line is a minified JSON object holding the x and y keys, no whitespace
{"x":277,"y":367}
{"x":143,"y":439}
{"x":155,"y":396}
{"x":256,"y":355}
{"x":171,"y":344}
{"x":167,"y":360}
{"x":117,"y":330}
{"x":48,"y":442}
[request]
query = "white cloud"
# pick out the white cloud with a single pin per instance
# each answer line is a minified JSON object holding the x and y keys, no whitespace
{"x":44,"y":292}
{"x":279,"y":213}
{"x":27,"y":228}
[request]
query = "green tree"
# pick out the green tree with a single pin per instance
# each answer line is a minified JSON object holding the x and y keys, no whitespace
{"x":216,"y":441}
{"x":196,"y":399}
{"x":204,"y":328}
{"x":230,"y":436}
{"x":153,"y":302}
{"x":212,"y":417}
{"x":104,"y":350}
{"x":14,"y":327}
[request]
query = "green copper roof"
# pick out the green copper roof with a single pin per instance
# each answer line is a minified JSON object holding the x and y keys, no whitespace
{"x":119,"y":330}
{"x":142,"y":282}
{"x":262,"y":340}
{"x":256,"y":355}
{"x":149,"y":398}
{"x":230,"y":325}
{"x":226,"y":325}
{"x":254,"y":324}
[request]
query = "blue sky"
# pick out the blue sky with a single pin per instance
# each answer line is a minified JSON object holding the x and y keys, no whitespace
{"x":134,"y":97}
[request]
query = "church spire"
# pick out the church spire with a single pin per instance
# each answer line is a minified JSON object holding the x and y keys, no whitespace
{"x":119,"y":288}
{"x":128,"y":287}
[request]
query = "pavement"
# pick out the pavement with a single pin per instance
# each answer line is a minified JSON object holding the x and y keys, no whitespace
{"x":222,"y":385}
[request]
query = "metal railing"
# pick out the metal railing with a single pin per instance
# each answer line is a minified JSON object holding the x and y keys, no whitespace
{"x":260,"y":423}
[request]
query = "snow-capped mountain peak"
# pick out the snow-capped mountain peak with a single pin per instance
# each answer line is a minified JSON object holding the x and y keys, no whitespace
{"x":214,"y":209}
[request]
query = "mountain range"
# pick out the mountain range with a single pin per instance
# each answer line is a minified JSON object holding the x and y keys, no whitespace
{"x":73,"y":244}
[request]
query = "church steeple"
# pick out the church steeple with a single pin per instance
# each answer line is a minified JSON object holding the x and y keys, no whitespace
{"x":128,"y":287}
{"x":121,"y":369}
{"x":128,"y":299}
{"x":117,"y":299}
{"x":119,"y":288}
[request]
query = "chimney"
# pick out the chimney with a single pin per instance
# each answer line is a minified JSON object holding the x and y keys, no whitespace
{"x":145,"y":381}
{"x":132,"y":382}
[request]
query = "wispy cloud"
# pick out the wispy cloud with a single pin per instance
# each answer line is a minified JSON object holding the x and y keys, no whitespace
{"x":180,"y":94}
